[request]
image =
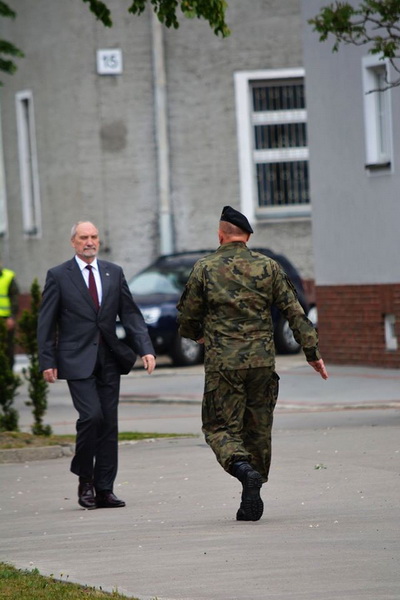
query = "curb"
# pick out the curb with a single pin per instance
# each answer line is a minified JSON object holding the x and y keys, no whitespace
{"x":20,"y":455}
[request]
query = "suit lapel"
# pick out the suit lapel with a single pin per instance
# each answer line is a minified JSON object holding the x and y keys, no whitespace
{"x":105,"y":277}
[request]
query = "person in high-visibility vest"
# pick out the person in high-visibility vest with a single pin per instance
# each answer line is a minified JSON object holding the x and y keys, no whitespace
{"x":9,"y":296}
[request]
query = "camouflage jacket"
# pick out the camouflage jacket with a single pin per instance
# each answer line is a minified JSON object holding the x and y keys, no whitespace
{"x":227,"y":301}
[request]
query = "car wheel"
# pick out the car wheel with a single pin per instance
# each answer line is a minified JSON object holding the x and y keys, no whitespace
{"x":186,"y":352}
{"x":284,"y":338}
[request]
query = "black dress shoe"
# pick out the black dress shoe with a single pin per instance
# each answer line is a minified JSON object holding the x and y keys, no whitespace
{"x":107,"y":499}
{"x":86,"y":497}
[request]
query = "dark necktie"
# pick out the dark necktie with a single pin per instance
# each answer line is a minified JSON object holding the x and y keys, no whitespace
{"x":93,"y":287}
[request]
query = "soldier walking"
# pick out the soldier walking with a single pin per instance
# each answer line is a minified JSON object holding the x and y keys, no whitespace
{"x":226,"y":305}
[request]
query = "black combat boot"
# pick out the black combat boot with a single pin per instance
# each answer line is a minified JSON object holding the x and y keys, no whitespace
{"x":251,"y":507}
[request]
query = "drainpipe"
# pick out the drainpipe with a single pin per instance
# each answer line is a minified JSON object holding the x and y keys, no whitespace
{"x":166,"y":245}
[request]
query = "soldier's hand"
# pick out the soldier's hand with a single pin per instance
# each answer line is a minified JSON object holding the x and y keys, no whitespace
{"x":319,"y":366}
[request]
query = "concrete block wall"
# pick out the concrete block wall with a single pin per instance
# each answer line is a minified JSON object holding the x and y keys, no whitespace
{"x":96,"y":143}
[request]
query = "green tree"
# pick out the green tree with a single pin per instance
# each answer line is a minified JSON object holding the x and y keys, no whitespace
{"x":8,"y":386}
{"x":372,"y":23}
{"x":6,"y":48}
{"x":38,"y":387}
{"x":212,"y":11}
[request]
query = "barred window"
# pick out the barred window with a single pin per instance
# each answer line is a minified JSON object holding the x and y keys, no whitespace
{"x":283,"y":183}
{"x":280,"y":151}
{"x":271,"y":118}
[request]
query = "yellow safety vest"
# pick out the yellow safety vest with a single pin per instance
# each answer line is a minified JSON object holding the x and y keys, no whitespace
{"x":5,"y":303}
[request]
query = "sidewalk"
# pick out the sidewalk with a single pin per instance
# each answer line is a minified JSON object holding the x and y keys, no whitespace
{"x":329,"y":530}
{"x":330,"y":526}
{"x":169,"y":401}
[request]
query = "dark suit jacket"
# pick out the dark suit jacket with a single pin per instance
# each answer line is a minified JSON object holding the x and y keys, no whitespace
{"x":69,"y":328}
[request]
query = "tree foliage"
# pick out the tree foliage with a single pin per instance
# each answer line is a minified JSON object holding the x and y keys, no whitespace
{"x":372,"y":23}
{"x":8,"y":386}
{"x":8,"y":49}
{"x":38,"y":387}
{"x":212,"y":11}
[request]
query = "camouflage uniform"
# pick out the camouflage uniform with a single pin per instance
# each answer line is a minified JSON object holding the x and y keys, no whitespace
{"x":227,"y":301}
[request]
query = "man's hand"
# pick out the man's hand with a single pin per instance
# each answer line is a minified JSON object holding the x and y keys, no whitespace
{"x":50,"y":375}
{"x":319,"y":366}
{"x":149,"y":362}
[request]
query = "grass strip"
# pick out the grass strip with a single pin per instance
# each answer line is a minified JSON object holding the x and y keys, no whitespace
{"x":16,"y":584}
{"x":18,"y":439}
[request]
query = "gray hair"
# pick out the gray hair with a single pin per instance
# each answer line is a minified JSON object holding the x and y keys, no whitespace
{"x":75,"y":227}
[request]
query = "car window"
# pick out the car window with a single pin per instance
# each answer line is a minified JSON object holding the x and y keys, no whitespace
{"x":154,"y":282}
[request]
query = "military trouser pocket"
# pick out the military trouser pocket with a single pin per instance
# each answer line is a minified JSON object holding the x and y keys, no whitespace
{"x":209,"y":409}
{"x":273,"y":390}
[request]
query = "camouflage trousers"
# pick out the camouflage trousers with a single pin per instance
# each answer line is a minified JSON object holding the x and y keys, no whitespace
{"x":237,"y":415}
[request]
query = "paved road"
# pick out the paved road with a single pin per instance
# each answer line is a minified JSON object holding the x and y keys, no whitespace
{"x":330,"y":526}
{"x":168,"y":401}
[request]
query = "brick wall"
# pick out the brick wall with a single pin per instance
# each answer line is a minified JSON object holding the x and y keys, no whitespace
{"x":309,"y":290}
{"x":351,"y":323}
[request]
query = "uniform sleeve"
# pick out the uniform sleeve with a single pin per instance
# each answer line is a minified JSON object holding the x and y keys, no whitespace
{"x":191,"y":306}
{"x":285,"y":298}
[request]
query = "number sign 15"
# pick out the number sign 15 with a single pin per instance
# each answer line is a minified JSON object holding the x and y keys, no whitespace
{"x":109,"y":62}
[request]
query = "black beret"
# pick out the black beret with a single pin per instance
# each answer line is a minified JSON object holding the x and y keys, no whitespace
{"x":231,"y":215}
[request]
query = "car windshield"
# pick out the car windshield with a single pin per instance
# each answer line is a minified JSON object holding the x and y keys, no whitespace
{"x":159,"y":282}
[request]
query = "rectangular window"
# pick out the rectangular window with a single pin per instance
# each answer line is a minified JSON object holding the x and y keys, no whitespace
{"x":377,"y":115}
{"x":273,"y":145}
{"x":28,"y":166}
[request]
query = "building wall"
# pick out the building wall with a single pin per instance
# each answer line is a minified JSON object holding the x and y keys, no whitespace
{"x":352,"y":323}
{"x":96,"y":141}
{"x":355,"y":211}
{"x":202,"y":119}
{"x":95,"y":135}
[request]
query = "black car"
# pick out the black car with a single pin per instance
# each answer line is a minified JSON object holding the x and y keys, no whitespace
{"x":157,"y":289}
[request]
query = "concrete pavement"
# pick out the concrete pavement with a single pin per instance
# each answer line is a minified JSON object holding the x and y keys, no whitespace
{"x":330,"y":526}
{"x":169,"y":400}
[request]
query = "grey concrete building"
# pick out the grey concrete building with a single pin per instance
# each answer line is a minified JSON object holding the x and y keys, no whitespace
{"x":150,"y":132}
{"x":355,"y":180}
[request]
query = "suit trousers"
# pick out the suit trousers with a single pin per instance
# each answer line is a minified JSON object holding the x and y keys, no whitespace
{"x":96,"y":400}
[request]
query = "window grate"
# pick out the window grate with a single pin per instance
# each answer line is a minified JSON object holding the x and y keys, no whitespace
{"x":271,"y":97}
{"x":283,"y":183}
{"x":280,"y":128}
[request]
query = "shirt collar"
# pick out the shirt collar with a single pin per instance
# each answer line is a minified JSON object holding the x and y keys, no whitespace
{"x":82,"y":264}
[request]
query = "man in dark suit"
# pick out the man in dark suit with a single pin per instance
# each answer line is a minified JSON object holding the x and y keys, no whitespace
{"x":77,"y":342}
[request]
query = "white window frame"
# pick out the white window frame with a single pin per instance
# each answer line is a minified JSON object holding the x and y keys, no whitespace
{"x":3,"y":190}
{"x":390,"y":332}
{"x":28,"y":165}
{"x":248,"y":157}
{"x":377,"y":117}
